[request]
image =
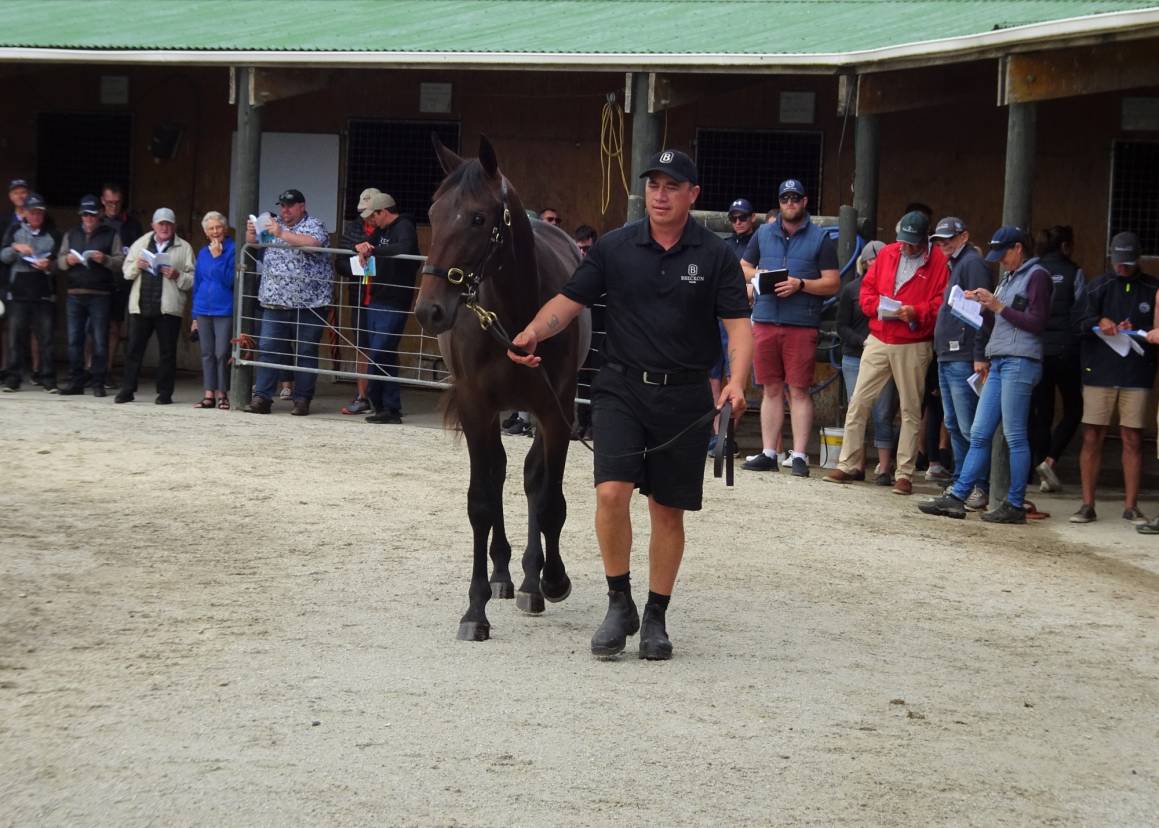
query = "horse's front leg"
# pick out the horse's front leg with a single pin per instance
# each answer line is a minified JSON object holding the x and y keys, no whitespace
{"x":481,"y":502}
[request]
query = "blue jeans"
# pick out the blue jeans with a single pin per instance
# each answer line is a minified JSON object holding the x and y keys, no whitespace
{"x":959,"y":402}
{"x":883,"y":410}
{"x":282,"y":329}
{"x":1006,"y":398}
{"x":385,"y":324}
{"x":88,"y":315}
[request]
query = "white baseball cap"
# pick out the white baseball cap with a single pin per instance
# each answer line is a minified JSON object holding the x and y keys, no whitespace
{"x":164,"y":214}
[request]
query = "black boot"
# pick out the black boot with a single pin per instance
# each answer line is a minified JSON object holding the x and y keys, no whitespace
{"x":654,"y":643}
{"x":621,"y":621}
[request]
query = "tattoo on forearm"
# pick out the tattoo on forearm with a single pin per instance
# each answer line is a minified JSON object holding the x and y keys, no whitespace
{"x":553,"y":323}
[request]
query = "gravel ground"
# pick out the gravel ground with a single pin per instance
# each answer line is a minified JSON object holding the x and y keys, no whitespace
{"x":210,"y":618}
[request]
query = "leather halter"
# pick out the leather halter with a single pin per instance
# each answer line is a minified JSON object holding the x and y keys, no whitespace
{"x":473,"y":277}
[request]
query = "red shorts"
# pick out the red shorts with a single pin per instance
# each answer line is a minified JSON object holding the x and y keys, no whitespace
{"x":784,"y":354}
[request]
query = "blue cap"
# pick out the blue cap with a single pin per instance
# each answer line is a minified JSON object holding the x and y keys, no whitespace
{"x":791,"y":185}
{"x":1004,"y":238}
{"x":90,"y":205}
{"x":35,"y":201}
{"x":741,"y":205}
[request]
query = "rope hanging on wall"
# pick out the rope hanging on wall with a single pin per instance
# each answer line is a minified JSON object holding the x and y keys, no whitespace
{"x":611,"y":150}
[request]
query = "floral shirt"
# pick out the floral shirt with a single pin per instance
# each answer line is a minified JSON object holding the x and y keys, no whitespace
{"x":293,"y":278}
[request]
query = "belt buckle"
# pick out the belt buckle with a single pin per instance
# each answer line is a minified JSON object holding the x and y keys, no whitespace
{"x":647,"y":381}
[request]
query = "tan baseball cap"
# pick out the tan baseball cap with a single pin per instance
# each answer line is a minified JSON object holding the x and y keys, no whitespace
{"x":367,"y":194}
{"x":379,"y":201}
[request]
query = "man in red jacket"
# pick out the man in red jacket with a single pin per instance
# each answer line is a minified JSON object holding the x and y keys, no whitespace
{"x":901,"y":295}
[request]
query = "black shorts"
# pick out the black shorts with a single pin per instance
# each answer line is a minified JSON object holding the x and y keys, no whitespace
{"x":629,"y":416}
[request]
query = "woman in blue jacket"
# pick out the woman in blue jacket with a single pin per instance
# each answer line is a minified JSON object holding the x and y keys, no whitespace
{"x":213,"y":309}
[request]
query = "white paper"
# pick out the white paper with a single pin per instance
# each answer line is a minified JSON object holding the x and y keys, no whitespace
{"x":156,"y":260}
{"x":1122,"y":342}
{"x":34,"y":259}
{"x":967,"y":310}
{"x":975,"y":381}
{"x":358,"y":270}
{"x":84,"y":257}
{"x":887,"y":308}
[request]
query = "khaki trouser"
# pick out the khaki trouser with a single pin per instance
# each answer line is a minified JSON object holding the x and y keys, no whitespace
{"x":907,"y":365}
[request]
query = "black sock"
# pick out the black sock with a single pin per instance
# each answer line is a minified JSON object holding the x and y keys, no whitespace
{"x":620,"y":583}
{"x":658,"y":602}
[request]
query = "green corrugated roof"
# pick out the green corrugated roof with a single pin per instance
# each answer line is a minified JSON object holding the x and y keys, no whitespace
{"x":645,"y":27}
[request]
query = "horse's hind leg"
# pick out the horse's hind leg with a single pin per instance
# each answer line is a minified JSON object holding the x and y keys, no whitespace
{"x":501,"y":583}
{"x":481,"y":498}
{"x":552,"y":507}
{"x":529,"y":596}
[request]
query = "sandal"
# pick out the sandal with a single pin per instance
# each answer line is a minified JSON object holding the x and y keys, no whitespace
{"x":206,"y":402}
{"x":223,"y":403}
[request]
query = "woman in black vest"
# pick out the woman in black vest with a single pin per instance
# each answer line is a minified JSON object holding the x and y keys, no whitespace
{"x":1061,"y":371}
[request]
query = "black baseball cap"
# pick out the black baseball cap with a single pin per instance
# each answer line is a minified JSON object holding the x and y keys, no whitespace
{"x":35,"y":201}
{"x":89,"y":205}
{"x":17,"y":183}
{"x":674,"y":164}
{"x":914,"y":228}
{"x":291,"y":197}
{"x":1124,"y":248}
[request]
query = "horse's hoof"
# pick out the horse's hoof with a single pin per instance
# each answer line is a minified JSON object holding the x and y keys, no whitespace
{"x":529,"y":602}
{"x":503,"y":590}
{"x":474,"y":631}
{"x":561,"y":596}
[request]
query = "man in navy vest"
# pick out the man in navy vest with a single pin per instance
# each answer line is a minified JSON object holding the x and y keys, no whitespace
{"x":786,"y":316}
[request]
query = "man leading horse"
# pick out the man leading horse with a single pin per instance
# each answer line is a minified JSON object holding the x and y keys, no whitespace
{"x":667,"y":281}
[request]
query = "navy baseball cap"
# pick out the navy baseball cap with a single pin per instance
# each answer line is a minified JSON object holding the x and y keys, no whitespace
{"x":17,"y":183}
{"x":35,"y":201}
{"x":914,"y":228}
{"x":791,"y":185}
{"x":89,"y":205}
{"x":741,"y":205}
{"x":948,"y":228}
{"x":291,"y":197}
{"x":1004,"y":238}
{"x":674,"y":164}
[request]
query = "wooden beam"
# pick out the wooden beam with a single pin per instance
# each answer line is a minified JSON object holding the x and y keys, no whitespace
{"x":1066,"y":73}
{"x":905,"y":89}
{"x":670,"y":91}
{"x":267,"y":85}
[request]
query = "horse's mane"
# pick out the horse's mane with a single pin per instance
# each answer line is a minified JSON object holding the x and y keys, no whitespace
{"x":469,"y":178}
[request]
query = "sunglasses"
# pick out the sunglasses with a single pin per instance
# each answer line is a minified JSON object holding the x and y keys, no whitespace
{"x":737,"y":217}
{"x":790,"y":198}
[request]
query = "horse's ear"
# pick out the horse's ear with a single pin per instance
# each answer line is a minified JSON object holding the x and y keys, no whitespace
{"x":447,"y":158}
{"x":487,"y":157}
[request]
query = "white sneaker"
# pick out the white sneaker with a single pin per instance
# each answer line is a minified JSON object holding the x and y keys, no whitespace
{"x":785,"y":461}
{"x":1050,"y":481}
{"x":977,"y":501}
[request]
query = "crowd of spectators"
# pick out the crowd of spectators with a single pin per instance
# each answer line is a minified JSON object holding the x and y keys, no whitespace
{"x":936,"y":382}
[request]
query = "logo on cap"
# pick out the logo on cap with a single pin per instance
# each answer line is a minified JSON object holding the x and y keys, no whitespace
{"x":666,"y":157}
{"x":1144,"y":307}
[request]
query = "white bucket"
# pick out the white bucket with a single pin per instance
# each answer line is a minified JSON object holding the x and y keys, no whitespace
{"x":831,"y":440}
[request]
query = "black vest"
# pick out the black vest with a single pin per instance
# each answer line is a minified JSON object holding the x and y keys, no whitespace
{"x":95,"y":276}
{"x":1062,"y":333}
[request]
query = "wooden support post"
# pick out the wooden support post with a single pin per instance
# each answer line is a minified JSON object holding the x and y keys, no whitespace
{"x":1020,"y":145}
{"x":847,"y":236}
{"x":866,"y":155}
{"x":646,"y":136}
{"x":245,"y":185}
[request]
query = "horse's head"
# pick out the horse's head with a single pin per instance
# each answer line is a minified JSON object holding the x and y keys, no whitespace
{"x":469,"y":222}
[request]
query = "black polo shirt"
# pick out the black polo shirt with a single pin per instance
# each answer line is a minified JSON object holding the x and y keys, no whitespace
{"x":662,"y":305}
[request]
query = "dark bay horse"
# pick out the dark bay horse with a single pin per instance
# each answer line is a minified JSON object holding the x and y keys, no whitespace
{"x":487,"y":256}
